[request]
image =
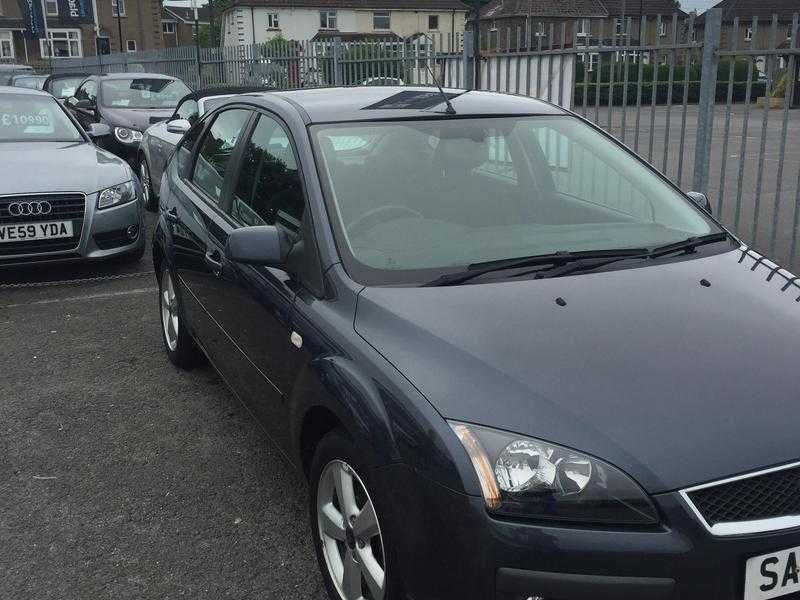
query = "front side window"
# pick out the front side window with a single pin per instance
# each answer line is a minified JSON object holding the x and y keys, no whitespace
{"x":64,"y":87}
{"x":188,"y":110}
{"x":6,"y":44}
{"x":35,"y":119}
{"x":268,"y":191}
{"x":62,"y":43}
{"x":88,"y":91}
{"x":381,"y":20}
{"x":216,"y":149}
{"x":327,"y":19}
{"x":143,"y":93}
{"x":415,"y":200}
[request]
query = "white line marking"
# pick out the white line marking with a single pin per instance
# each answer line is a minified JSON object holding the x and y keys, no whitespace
{"x":107,"y":296}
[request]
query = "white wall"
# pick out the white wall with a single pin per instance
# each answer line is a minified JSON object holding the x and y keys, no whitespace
{"x":303,"y":23}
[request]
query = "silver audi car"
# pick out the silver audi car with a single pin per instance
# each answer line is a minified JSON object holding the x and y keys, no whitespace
{"x":62,"y":199}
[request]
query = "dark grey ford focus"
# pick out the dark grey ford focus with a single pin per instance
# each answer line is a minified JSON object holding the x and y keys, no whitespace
{"x":512,"y":359}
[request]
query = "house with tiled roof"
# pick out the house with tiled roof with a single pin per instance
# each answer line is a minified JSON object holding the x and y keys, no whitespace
{"x":256,"y":21}
{"x":177,"y":24}
{"x":512,"y":24}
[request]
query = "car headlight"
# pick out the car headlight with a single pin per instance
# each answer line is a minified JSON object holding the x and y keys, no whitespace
{"x":529,"y":478}
{"x":118,"y":194}
{"x":127,"y":136}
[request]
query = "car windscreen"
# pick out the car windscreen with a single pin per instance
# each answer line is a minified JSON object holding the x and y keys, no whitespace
{"x":32,"y":82}
{"x":28,"y":118}
{"x":411,"y":200}
{"x":143,"y":93}
{"x":65,"y":87}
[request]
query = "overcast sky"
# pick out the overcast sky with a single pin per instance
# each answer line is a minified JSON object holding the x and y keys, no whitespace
{"x":699,"y":5}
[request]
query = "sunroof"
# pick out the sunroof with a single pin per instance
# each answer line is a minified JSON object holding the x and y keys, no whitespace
{"x":410,"y":100}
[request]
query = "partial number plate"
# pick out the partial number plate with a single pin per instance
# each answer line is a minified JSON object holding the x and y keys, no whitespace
{"x":25,"y":232}
{"x":772,"y":575}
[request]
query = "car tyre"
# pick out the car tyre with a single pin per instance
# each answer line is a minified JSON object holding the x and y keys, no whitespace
{"x":150,"y":197}
{"x":350,"y":535}
{"x":181,"y":348}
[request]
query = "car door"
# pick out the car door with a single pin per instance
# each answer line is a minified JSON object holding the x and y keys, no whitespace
{"x":199,"y":225}
{"x":86,"y":91}
{"x":256,"y":309}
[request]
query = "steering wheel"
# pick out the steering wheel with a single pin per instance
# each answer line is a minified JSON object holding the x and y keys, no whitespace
{"x":374,"y":216}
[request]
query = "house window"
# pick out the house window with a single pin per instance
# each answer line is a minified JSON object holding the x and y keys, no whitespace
{"x":6,"y":44}
{"x":168,"y":27}
{"x":433,"y":22}
{"x":540,"y":31}
{"x":118,"y":12}
{"x":51,"y":6}
{"x":619,"y":27}
{"x":327,"y":19}
{"x":662,"y":29}
{"x":748,"y":34}
{"x":272,"y":21}
{"x":63,"y":43}
{"x":131,"y":45}
{"x":590,"y":60}
{"x":381,"y":20}
{"x":584,"y":27}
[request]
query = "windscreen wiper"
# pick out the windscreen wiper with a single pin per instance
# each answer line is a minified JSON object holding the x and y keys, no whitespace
{"x":556,"y":259}
{"x":689,"y":244}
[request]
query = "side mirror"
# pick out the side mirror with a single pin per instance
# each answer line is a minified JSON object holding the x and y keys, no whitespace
{"x":265,"y":245}
{"x":179,"y":126}
{"x":83,"y":104}
{"x":98,"y":130}
{"x":701,"y":200}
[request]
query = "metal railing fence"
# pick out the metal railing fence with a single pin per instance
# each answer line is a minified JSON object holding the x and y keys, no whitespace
{"x":710,"y":104}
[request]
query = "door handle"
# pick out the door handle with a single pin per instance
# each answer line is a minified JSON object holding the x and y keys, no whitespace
{"x":214,"y":261}
{"x":172,"y":215}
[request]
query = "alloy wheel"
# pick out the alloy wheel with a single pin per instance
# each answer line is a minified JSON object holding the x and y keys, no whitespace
{"x":350,"y":534}
{"x":169,"y":311}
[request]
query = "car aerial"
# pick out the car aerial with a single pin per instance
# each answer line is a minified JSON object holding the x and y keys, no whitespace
{"x":8,"y":70}
{"x":25,"y":80}
{"x":63,"y":85}
{"x":128,"y":103}
{"x":512,"y":359}
{"x":159,"y":140}
{"x":62,"y":199}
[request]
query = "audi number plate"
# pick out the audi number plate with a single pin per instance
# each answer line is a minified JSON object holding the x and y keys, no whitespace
{"x":24,"y":232}
{"x":772,"y":575}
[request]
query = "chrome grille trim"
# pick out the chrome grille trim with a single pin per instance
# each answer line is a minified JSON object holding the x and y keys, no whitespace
{"x":742,"y":527}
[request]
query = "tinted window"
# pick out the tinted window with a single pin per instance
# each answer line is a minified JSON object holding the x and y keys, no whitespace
{"x":25,"y":118}
{"x":215,"y":153}
{"x":188,"y":110}
{"x":268,"y":191}
{"x":88,"y":91}
{"x":143,"y":93}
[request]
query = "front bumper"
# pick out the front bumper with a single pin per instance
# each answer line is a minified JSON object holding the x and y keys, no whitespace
{"x":456,"y":550}
{"x":104,"y":235}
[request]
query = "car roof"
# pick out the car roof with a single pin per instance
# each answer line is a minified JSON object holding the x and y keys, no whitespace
{"x":135,"y":76}
{"x":370,"y":103}
{"x":231,"y":90}
{"x":20,"y":91}
{"x":15,"y":67}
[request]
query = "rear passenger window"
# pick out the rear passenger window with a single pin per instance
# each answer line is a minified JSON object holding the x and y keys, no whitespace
{"x":268,"y":191}
{"x":216,"y":149}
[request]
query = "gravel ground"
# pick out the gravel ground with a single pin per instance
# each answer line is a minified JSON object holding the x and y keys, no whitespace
{"x":123,"y":477}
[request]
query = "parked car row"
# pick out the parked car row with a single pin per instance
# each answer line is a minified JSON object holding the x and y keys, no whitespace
{"x":505,"y":352}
